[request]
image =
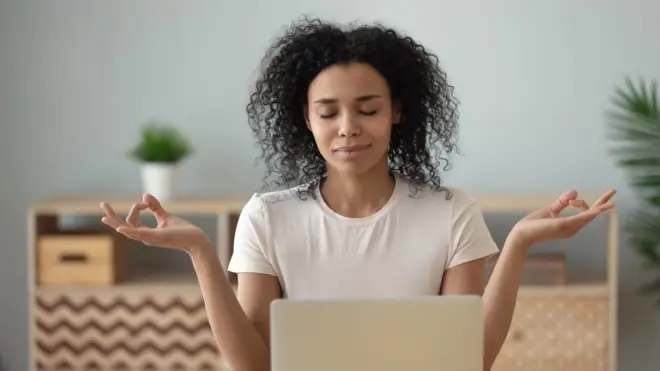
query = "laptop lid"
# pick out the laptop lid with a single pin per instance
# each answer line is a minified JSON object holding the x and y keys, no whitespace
{"x":416,"y":334}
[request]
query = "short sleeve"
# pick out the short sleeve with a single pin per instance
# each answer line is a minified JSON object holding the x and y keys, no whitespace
{"x":470,"y":237}
{"x":251,"y":240}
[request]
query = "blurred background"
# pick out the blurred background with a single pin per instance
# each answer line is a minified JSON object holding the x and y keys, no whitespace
{"x":78,"y":80}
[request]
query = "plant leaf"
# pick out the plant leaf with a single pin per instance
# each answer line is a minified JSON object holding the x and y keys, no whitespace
{"x":635,"y":127}
{"x":161,"y":143}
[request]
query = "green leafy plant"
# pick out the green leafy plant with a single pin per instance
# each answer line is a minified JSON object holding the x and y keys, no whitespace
{"x":161,"y":143}
{"x":635,"y":126}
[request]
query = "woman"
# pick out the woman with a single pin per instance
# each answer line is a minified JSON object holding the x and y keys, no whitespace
{"x":355,"y":122}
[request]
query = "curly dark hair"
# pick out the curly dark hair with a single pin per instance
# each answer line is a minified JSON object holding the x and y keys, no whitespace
{"x":275,"y":110}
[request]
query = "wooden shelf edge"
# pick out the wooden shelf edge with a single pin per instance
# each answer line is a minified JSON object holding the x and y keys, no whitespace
{"x":187,"y":283}
{"x":596,"y":289}
{"x":521,"y":203}
{"x":148,"y":284}
{"x":90,"y":205}
{"x":213,"y":204}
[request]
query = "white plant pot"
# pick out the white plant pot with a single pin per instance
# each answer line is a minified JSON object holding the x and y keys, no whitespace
{"x":158,"y":179}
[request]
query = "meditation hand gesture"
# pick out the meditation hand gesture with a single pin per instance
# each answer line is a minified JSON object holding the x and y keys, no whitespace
{"x":546,"y":224}
{"x":171,"y":231}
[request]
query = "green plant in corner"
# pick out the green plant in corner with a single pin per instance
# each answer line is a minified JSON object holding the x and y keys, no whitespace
{"x":161,"y":143}
{"x":635,"y":126}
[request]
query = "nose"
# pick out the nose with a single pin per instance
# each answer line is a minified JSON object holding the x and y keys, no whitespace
{"x":349,"y":126}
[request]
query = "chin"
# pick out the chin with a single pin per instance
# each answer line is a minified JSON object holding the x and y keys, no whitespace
{"x":358,"y":163}
{"x":353,"y":168}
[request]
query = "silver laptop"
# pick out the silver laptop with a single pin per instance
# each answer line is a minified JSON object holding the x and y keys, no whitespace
{"x":443,"y":333}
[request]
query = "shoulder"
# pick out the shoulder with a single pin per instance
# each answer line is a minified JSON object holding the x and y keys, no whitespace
{"x":265,"y":215}
{"x":262,"y":209}
{"x":281,"y":201}
{"x":451,"y":199}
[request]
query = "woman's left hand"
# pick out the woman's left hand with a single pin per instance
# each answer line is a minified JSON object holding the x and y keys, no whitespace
{"x":546,"y":223}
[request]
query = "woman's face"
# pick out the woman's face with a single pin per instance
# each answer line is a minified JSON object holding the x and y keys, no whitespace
{"x":350,"y":114}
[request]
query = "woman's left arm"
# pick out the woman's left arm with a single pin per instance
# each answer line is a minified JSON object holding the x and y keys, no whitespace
{"x":500,"y":294}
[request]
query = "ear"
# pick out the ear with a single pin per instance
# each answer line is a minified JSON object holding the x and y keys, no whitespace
{"x":397,"y":112}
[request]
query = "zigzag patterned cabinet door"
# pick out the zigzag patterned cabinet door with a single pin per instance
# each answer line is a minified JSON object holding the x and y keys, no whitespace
{"x":117,"y":331}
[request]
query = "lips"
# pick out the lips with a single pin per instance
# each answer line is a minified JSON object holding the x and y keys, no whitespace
{"x":351,"y":148}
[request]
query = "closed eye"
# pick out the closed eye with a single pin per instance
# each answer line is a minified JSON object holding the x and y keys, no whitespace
{"x":331,"y":115}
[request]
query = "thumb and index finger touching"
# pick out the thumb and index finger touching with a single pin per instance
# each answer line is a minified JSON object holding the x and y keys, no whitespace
{"x":148,"y":202}
{"x":155,"y":206}
{"x":588,"y":212}
{"x":562,"y":202}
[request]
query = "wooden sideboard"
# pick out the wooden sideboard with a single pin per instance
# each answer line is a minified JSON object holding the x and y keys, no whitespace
{"x":158,"y":321}
{"x":154,"y":321}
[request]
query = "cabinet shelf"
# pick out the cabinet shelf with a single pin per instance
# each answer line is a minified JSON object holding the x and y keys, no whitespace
{"x":90,"y":205}
{"x":151,"y":284}
{"x":154,"y":284}
{"x":595,"y":289}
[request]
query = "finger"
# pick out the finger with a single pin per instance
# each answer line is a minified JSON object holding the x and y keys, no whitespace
{"x":146,"y":235}
{"x":155,"y":206}
{"x":111,"y":222}
{"x":606,"y":206}
{"x":112,"y":219}
{"x":605,"y":197}
{"x":562,"y":202}
{"x":593,"y":212}
{"x":580,"y":204}
{"x":133,"y":218}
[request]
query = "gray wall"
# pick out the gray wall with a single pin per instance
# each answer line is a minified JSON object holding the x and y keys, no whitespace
{"x":77,"y":77}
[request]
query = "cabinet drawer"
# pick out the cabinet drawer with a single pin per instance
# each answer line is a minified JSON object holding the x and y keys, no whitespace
{"x":79,"y":258}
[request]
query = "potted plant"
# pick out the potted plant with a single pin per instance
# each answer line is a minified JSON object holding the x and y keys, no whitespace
{"x":635,"y":127}
{"x":160,"y":150}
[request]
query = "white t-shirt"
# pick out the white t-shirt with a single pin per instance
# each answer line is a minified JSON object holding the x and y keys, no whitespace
{"x":400,"y":251}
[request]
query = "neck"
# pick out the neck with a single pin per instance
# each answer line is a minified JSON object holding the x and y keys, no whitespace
{"x":358,"y":196}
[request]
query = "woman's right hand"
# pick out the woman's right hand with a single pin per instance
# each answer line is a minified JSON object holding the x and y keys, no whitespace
{"x":171,"y":232}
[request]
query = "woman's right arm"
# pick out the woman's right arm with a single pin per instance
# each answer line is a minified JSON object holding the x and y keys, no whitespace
{"x":239,"y":325}
{"x":239,"y":322}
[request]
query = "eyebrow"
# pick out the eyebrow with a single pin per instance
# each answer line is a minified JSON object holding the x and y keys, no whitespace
{"x":362,"y":98}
